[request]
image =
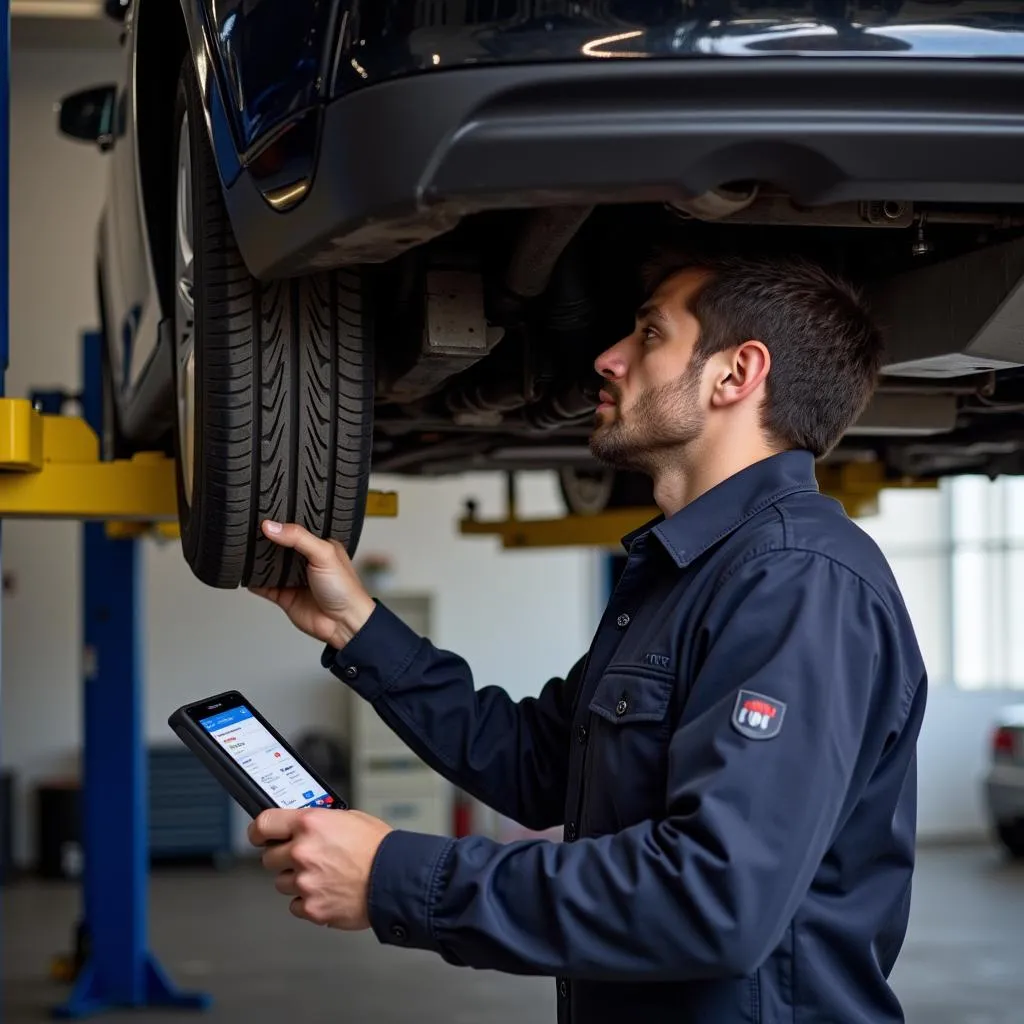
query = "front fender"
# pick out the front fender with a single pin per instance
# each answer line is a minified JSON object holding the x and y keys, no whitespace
{"x":270,"y":59}
{"x":222,"y":128}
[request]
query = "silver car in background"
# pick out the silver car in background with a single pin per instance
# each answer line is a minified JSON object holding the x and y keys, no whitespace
{"x":1004,"y":782}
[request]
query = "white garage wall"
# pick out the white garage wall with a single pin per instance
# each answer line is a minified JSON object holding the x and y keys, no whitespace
{"x":914,"y":529}
{"x":518,"y":617}
{"x":953,"y":754}
{"x":55,"y":190}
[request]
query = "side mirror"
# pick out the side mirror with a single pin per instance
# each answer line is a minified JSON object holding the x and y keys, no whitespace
{"x":89,"y":115}
{"x":116,"y":10}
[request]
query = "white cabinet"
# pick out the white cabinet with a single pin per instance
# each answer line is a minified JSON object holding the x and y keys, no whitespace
{"x":388,"y":780}
{"x":417,"y":800}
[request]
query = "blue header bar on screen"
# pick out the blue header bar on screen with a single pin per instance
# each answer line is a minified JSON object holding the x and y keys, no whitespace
{"x":225,"y":718}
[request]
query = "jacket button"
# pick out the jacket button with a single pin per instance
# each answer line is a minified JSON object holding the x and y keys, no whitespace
{"x":570,"y":831}
{"x":623,"y":621}
{"x":351,"y":671}
{"x":563,"y":988}
{"x":398,"y":932}
{"x":622,"y":707}
{"x":581,"y":733}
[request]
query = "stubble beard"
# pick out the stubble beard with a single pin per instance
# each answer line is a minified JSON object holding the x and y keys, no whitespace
{"x":663,"y":423}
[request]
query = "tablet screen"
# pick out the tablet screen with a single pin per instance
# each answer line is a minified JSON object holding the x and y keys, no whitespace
{"x":264,"y":758}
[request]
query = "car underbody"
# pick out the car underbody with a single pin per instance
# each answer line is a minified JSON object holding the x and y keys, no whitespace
{"x":504,"y":241}
{"x":486,"y":337}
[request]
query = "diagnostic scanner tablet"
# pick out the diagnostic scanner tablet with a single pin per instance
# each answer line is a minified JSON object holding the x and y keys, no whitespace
{"x":248,"y":756}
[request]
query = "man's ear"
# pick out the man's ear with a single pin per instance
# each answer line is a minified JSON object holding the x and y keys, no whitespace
{"x":743,"y":370}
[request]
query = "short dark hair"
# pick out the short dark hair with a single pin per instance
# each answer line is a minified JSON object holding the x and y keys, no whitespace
{"x":825,"y":348}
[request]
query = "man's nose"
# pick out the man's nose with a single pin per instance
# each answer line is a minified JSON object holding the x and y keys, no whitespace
{"x":611,"y":363}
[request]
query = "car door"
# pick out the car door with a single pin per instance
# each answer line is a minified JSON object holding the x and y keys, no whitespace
{"x":133,"y":308}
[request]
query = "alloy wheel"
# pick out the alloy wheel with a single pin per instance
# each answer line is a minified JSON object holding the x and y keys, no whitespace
{"x":184,"y":312}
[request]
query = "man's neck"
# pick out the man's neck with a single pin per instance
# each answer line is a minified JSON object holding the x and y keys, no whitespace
{"x":677,"y":485}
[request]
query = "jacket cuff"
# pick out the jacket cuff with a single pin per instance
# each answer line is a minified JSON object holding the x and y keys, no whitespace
{"x":404,"y":883}
{"x":376,"y":656}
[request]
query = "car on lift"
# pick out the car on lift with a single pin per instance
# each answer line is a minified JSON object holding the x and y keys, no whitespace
{"x":392,"y":235}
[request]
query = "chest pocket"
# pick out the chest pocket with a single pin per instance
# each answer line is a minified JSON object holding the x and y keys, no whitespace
{"x":627,"y":758}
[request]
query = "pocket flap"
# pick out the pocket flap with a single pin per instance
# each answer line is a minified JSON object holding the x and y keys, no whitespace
{"x":632,"y":696}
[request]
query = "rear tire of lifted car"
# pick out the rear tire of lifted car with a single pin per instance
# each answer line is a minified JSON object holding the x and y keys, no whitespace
{"x":273,"y":384}
{"x":1011,"y":838}
{"x":591,"y":491}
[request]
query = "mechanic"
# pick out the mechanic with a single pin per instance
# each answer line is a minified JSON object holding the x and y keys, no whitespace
{"x":733,"y":762}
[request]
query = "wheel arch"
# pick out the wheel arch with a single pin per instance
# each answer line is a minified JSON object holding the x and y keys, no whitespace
{"x":164,"y":34}
{"x":161,"y":42}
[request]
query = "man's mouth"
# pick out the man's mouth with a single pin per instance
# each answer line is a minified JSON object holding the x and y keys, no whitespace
{"x":605,"y":401}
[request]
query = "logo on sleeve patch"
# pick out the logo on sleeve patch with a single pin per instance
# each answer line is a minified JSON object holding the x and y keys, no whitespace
{"x":756,"y":716}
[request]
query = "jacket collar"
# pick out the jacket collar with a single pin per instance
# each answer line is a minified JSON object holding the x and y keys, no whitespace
{"x":688,"y":533}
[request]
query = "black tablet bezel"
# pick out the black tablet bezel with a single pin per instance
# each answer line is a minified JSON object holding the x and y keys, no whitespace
{"x":185,"y":722}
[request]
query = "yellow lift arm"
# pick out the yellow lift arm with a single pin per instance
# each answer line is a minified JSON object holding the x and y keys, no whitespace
{"x":50,"y":468}
{"x":856,"y":485}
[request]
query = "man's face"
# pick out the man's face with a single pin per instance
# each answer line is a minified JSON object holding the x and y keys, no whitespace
{"x":651,"y":406}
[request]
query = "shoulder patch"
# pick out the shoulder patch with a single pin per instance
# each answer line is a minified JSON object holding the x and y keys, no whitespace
{"x":756,"y":716}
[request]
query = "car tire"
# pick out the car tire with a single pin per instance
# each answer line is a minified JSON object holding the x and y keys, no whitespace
{"x":1011,"y":836}
{"x":113,"y":444}
{"x":588,"y":492}
{"x":273,"y":386}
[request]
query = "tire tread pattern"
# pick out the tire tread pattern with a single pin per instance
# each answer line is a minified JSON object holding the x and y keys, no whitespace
{"x":285,"y":416}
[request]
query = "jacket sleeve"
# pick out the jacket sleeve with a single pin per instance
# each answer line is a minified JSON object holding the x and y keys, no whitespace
{"x":750,"y":809}
{"x":512,"y":756}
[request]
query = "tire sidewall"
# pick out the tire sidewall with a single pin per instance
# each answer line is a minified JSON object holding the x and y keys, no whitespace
{"x":189,"y":516}
{"x":569,"y":482}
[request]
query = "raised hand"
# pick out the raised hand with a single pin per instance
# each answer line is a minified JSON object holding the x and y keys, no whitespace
{"x":334,"y":605}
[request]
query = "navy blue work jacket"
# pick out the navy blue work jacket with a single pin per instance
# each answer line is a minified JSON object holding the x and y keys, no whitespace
{"x":733,"y":764}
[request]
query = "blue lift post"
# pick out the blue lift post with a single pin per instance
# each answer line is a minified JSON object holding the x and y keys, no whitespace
{"x":5,"y":234}
{"x":120,"y":970}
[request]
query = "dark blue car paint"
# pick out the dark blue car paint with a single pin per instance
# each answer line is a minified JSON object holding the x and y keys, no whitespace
{"x":274,"y":60}
{"x":271,"y":57}
{"x":389,"y":38}
{"x":223,"y":129}
{"x":733,"y":763}
{"x":272,"y":63}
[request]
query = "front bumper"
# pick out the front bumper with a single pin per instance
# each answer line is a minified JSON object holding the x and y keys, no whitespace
{"x":404,"y":161}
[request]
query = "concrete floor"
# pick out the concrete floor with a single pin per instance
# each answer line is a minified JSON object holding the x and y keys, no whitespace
{"x":231,"y":935}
